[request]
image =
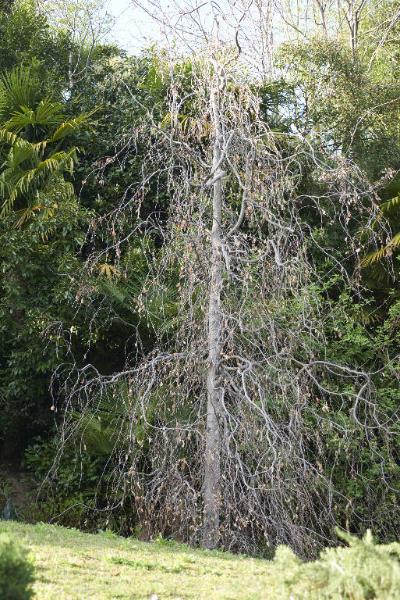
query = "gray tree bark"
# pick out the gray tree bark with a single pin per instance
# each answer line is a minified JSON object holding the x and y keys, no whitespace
{"x":212,"y":467}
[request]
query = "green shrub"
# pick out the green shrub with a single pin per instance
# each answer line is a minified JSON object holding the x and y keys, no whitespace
{"x":16,"y":572}
{"x":362,"y":571}
{"x":68,"y":496}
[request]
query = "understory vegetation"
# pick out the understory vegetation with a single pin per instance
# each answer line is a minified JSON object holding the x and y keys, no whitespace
{"x":199,"y":292}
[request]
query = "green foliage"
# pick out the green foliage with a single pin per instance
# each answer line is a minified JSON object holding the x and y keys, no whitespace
{"x":26,"y":40}
{"x":343,"y":102}
{"x":16,"y":571}
{"x":67,"y":496}
{"x":19,"y":88}
{"x":34,"y":298}
{"x":362,"y":571}
{"x":34,"y":160}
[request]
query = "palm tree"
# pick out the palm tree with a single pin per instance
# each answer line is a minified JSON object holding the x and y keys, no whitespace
{"x":33,"y":135}
{"x":388,"y":211}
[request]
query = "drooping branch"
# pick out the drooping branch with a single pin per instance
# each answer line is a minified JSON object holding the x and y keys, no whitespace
{"x":223,"y":428}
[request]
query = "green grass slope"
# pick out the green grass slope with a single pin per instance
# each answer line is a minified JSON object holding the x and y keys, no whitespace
{"x":79,"y":566}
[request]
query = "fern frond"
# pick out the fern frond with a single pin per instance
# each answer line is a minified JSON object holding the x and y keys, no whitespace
{"x":369,"y":317}
{"x":373,"y":257}
{"x":394,"y":242}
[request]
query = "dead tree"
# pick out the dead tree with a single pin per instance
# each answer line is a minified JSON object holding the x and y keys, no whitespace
{"x":212,"y":467}
{"x":234,"y":402}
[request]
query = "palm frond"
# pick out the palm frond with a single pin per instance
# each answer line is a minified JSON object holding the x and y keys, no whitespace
{"x":71,"y":126}
{"x":108,"y":270}
{"x":40,"y":147}
{"x":6,"y":207}
{"x":98,"y":433}
{"x":48,"y":112}
{"x":58,"y":161}
{"x":25,"y":214}
{"x":3,"y":99}
{"x":21,"y":151}
{"x":382,"y":252}
{"x":4,"y":186}
{"x":7,"y":137}
{"x":31,"y":164}
{"x":390,"y":204}
{"x":22,"y":182}
{"x":21,"y":119}
{"x":21,"y":88}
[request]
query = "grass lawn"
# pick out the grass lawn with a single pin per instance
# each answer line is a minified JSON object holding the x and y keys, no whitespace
{"x":73,"y":565}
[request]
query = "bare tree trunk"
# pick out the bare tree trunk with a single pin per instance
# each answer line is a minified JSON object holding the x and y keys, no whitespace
{"x":322,"y":6}
{"x":353,"y":16}
{"x":212,"y":468}
{"x":70,"y":72}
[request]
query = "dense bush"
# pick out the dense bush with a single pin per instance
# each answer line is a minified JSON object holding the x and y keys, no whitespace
{"x":16,"y":572}
{"x":67,"y":497}
{"x":362,"y":571}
